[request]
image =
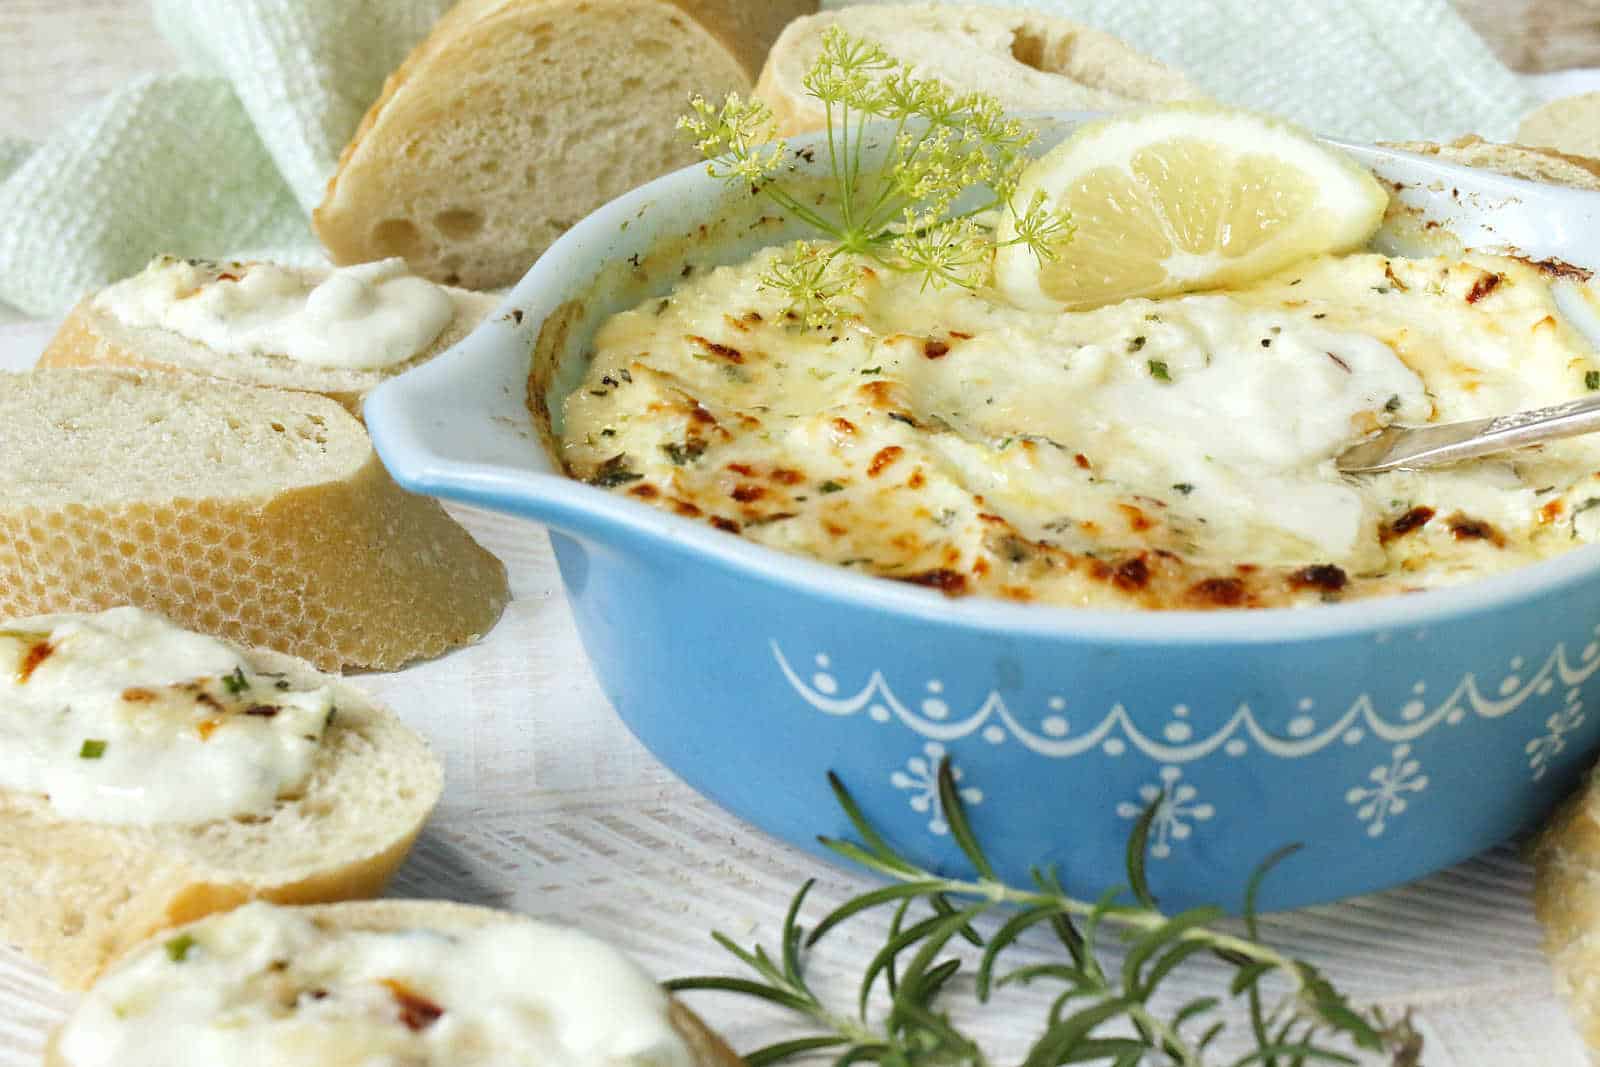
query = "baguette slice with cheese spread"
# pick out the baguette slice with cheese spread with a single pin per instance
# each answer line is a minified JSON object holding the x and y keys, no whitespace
{"x":1028,"y":61}
{"x":338,"y":333}
{"x":403,"y":981}
{"x":76,"y":892}
{"x":516,"y":118}
{"x":257,"y":515}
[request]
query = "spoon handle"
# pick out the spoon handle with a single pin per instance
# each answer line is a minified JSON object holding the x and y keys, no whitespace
{"x":1428,"y":446}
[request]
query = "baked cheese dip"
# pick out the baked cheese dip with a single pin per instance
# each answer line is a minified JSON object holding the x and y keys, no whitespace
{"x":1170,"y":453}
{"x":267,"y":985}
{"x":122,"y":717}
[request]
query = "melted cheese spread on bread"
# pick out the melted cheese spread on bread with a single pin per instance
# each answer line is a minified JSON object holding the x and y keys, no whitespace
{"x":363,"y":317}
{"x":1155,"y":453}
{"x":267,"y":985}
{"x":122,"y":717}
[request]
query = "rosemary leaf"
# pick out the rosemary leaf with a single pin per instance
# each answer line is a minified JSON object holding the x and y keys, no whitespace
{"x":1066,"y":932}
{"x":787,"y":1050}
{"x":857,"y":905}
{"x":1002,"y":939}
{"x":1300,"y":1053}
{"x":1138,"y":843}
{"x":879,"y":847}
{"x":792,"y":934}
{"x":941,"y":904}
{"x":1162,"y":937}
{"x":955,"y":814}
{"x":1194,"y":1009}
{"x":1069,"y":1035}
{"x":1073,"y":976}
{"x":1248,"y":975}
{"x":925,"y":931}
{"x":1252,"y":888}
{"x":744,"y":986}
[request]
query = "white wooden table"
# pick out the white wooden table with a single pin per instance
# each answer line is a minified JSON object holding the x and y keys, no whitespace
{"x":553,"y":809}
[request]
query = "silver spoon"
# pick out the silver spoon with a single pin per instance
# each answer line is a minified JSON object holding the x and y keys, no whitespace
{"x":1410,"y":447}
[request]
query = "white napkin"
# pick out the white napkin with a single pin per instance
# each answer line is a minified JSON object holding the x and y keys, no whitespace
{"x":229,"y":157}
{"x":304,"y":70}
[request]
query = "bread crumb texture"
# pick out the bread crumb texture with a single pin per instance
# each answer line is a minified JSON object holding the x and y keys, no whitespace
{"x":511,"y":122}
{"x":259,"y":516}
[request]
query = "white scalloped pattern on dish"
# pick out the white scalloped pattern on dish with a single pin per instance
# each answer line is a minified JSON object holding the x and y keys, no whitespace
{"x":1177,"y":742}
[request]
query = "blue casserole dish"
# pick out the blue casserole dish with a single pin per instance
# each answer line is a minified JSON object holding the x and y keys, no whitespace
{"x":1389,"y":737}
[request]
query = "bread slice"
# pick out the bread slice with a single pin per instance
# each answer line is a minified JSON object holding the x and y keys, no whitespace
{"x":76,"y":894}
{"x":92,"y":336}
{"x":257,"y":515}
{"x":1513,"y":160}
{"x":1570,"y":125}
{"x":705,"y":1048}
{"x":1026,"y":60}
{"x":1566,"y":901}
{"x":516,"y":118}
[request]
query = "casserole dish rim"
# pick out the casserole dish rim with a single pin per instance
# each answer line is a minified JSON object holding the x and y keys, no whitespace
{"x":572,"y":268}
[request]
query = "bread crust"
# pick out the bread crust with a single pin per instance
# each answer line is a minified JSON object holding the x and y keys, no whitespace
{"x":89,"y":337}
{"x":78,"y":894}
{"x":1074,"y":65}
{"x":1513,"y":160}
{"x":349,"y":571}
{"x":706,"y":1046}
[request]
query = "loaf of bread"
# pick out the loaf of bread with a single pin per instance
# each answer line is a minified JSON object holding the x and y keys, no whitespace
{"x":1028,"y":61}
{"x":362,"y":1000}
{"x":96,"y":335}
{"x":515,"y":118}
{"x":76,"y":893}
{"x":1570,"y":125}
{"x":257,"y":515}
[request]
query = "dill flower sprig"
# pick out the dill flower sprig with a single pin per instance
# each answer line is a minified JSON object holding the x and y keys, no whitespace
{"x":1104,"y":1012}
{"x":907,"y":213}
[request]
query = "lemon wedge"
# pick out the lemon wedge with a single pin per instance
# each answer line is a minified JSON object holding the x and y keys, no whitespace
{"x":1182,"y":198}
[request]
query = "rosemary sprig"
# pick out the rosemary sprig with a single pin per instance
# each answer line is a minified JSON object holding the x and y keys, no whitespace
{"x":902,"y":214}
{"x":1104,"y":1012}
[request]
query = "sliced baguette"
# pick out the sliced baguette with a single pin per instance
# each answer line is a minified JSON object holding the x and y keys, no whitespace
{"x":1513,"y":160}
{"x":515,"y":118}
{"x":1026,"y":60}
{"x":76,"y":894}
{"x":1566,"y":901}
{"x":1570,"y":125}
{"x":257,"y":515}
{"x":705,"y":1047}
{"x":92,"y":336}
